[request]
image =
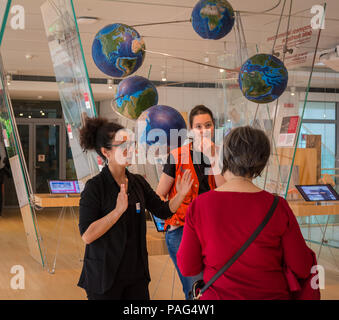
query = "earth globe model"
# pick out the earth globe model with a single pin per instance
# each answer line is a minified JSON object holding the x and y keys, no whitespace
{"x":212,"y":19}
{"x":263,"y":78}
{"x":156,"y":123}
{"x":118,"y":50}
{"x":134,"y":95}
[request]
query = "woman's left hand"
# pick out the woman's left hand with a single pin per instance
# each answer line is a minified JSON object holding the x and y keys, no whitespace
{"x":184,"y":183}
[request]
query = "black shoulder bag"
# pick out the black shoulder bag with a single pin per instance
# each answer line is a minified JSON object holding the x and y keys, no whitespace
{"x":199,"y":287}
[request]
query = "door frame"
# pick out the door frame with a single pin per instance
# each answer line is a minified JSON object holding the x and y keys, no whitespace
{"x":32,"y":123}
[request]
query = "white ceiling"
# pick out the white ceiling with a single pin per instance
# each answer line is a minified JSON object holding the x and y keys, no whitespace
{"x":175,"y":39}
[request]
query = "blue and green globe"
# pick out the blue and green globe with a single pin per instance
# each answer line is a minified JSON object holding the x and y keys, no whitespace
{"x":263,"y":78}
{"x":212,"y":19}
{"x":155,"y":124}
{"x":118,"y":50}
{"x":134,"y":95}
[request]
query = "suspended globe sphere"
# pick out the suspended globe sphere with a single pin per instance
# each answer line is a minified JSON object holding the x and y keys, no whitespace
{"x":212,"y":19}
{"x":263,"y":78}
{"x":118,"y":50}
{"x":155,"y":125}
{"x":135,"y":94}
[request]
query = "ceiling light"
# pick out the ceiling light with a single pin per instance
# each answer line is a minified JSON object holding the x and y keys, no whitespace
{"x":110,"y":83}
{"x":28,"y":56}
{"x":40,"y":97}
{"x":42,"y":113}
{"x":87,"y":20}
{"x":163,"y":76}
{"x":21,"y":114}
{"x":292,"y":91}
{"x":29,"y":117}
{"x":221,"y":70}
{"x":9,"y":79}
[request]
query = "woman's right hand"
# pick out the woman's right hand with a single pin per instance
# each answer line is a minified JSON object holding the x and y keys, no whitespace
{"x":122,"y":200}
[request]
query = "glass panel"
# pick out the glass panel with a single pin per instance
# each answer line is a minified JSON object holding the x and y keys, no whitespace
{"x":37,"y":109}
{"x":70,"y":168}
{"x":328,"y":141}
{"x":319,"y":110}
{"x":47,"y":162}
{"x":72,"y":78}
{"x":19,"y":170}
{"x":24,"y":138}
{"x":4,"y":9}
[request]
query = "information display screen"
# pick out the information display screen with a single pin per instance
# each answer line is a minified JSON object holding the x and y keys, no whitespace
{"x":319,"y":192}
{"x":64,"y":186}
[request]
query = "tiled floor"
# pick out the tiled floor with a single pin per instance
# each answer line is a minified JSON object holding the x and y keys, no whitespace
{"x":40,"y":284}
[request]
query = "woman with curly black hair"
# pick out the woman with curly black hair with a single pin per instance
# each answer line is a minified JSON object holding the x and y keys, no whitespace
{"x":112,"y":217}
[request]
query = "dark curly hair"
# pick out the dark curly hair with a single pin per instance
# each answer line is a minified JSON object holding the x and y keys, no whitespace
{"x":97,"y":133}
{"x":246,"y":152}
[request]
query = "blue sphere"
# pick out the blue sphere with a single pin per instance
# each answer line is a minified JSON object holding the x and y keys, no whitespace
{"x":160,"y":117}
{"x":263,"y":78}
{"x":134,"y":95}
{"x":118,"y":50}
{"x":213,"y":19}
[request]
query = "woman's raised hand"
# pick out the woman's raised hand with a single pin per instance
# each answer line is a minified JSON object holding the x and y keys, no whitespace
{"x":122,"y":200}
{"x":184,"y":183}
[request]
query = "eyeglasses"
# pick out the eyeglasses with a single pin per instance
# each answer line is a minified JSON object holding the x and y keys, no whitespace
{"x":126,"y":144}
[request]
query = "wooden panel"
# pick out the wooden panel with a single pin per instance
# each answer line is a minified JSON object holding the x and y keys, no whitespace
{"x":305,"y":159}
{"x":304,"y":209}
{"x":46,"y":200}
{"x":314,"y":141}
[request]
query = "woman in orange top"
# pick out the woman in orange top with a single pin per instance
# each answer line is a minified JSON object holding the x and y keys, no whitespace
{"x":198,"y":157}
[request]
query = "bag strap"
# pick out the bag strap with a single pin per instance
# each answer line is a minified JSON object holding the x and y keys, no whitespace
{"x":244,"y":247}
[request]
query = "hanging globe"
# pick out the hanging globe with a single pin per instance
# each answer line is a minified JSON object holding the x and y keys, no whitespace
{"x":212,"y":19}
{"x":118,"y":50}
{"x":263,"y":78}
{"x":161,"y":119}
{"x":134,"y":95}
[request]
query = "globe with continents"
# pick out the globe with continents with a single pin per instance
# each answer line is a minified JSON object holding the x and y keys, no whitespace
{"x":263,"y":78}
{"x":155,"y":125}
{"x":212,"y":19}
{"x":135,"y":94}
{"x":118,"y":50}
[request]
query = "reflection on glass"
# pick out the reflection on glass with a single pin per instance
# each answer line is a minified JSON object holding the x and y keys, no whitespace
{"x":46,"y":156}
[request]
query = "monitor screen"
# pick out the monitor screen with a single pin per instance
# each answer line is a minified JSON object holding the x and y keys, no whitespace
{"x":64,"y":186}
{"x":320,"y":192}
{"x":159,"y":223}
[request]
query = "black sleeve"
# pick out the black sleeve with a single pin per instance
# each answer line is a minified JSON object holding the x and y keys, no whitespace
{"x":169,"y":166}
{"x":154,"y":203}
{"x":89,"y":206}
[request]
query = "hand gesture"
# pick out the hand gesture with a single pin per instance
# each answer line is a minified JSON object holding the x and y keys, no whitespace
{"x":184,"y":183}
{"x":122,"y":200}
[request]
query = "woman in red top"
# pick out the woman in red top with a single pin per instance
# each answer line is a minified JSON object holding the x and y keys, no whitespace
{"x":219,"y":222}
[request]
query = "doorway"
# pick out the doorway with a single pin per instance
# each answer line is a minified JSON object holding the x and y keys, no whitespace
{"x":45,"y":150}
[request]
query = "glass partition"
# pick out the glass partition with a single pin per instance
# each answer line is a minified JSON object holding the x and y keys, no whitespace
{"x":72,"y":78}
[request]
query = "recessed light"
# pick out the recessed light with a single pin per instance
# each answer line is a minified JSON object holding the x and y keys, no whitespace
{"x":28,"y":56}
{"x":87,"y":20}
{"x":40,"y":97}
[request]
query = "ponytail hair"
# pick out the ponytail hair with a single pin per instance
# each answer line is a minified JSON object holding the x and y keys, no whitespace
{"x":98,"y":133}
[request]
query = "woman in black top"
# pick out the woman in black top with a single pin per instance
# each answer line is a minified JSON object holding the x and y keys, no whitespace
{"x":112,"y":220}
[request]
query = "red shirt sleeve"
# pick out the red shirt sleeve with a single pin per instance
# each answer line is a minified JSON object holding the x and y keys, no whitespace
{"x":298,"y":257}
{"x":189,"y":256}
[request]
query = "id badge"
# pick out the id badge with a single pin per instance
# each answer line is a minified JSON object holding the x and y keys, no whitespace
{"x":138,"y":207}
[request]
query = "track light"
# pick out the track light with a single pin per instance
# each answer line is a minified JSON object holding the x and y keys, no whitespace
{"x":163,"y":75}
{"x":292,"y":91}
{"x":9,"y":79}
{"x":110,"y":83}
